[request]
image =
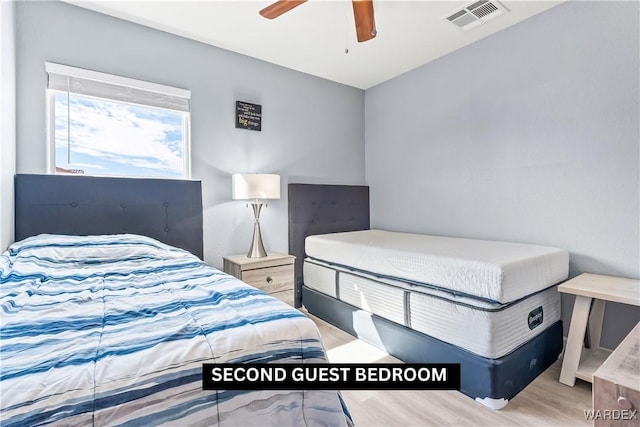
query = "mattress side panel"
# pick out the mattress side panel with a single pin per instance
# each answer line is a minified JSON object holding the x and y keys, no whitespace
{"x":384,"y":300}
{"x":491,"y":334}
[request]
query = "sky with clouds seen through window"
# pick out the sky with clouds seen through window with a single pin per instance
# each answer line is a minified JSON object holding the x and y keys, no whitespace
{"x":118,"y":139}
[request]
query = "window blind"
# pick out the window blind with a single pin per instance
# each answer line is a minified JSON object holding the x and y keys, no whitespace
{"x":92,"y":83}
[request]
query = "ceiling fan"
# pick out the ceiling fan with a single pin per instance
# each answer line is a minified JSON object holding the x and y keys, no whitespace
{"x":362,"y":11}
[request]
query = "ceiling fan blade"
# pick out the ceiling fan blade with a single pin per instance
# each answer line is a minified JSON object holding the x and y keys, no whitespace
{"x":278,"y":8}
{"x":365,"y":22}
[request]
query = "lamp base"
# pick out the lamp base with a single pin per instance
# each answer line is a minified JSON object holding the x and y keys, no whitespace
{"x":257,"y":247}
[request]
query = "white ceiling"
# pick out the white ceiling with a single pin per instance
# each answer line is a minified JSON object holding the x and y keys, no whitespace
{"x":312,"y":37}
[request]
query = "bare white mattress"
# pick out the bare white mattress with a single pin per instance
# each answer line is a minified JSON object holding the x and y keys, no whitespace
{"x":496,"y":271}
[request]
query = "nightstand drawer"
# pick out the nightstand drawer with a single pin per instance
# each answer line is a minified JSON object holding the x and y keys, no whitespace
{"x":270,"y":280}
{"x":273,"y":273}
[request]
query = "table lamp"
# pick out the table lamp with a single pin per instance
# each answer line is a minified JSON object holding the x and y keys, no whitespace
{"x":257,"y":187}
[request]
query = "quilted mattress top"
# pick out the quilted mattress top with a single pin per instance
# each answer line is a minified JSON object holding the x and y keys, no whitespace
{"x":495,"y":271}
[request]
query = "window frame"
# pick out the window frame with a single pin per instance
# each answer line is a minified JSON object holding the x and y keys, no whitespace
{"x":123,"y":82}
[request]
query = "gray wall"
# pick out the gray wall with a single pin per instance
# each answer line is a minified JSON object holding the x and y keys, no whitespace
{"x":313,"y":129}
{"x":530,"y":135}
{"x":7,"y":120}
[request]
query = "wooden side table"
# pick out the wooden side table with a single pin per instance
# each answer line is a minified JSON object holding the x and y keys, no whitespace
{"x":273,"y":273}
{"x":582,"y":363}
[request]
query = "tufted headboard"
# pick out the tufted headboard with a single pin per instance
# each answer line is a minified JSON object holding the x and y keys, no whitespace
{"x":320,"y":209}
{"x":164,"y":209}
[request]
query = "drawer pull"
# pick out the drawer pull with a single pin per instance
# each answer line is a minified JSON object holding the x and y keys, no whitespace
{"x":269,"y":280}
{"x":624,"y":403}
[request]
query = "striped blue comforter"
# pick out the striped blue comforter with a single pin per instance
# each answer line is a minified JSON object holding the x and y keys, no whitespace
{"x":113,"y":330}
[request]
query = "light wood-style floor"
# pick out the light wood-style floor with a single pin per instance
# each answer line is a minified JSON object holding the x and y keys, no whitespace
{"x":545,"y":402}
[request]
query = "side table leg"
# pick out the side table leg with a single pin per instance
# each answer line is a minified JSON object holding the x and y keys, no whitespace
{"x":577,"y":329}
{"x":595,"y":323}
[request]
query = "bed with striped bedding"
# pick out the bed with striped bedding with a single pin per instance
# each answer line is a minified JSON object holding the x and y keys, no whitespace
{"x":113,"y":330}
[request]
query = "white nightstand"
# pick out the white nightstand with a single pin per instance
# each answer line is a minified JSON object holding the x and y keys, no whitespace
{"x":273,"y":273}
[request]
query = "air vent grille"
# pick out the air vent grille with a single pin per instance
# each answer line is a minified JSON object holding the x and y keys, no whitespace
{"x":476,"y":14}
{"x":476,"y":4}
{"x":457,"y":15}
{"x":485,"y":10}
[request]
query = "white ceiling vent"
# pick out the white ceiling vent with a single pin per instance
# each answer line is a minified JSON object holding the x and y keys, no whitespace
{"x":475,"y":14}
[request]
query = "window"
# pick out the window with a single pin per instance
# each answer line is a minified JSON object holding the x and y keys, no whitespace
{"x":101,"y":124}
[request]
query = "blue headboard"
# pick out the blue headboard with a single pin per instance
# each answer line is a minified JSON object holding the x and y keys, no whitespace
{"x":320,"y":209}
{"x":167,"y":210}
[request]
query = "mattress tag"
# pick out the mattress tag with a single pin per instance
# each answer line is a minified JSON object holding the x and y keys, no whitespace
{"x":535,"y":318}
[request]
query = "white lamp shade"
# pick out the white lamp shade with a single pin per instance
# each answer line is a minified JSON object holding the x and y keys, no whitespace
{"x":255,"y":186}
